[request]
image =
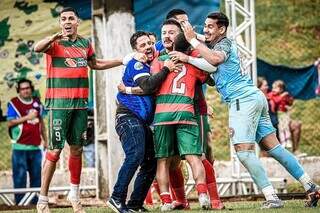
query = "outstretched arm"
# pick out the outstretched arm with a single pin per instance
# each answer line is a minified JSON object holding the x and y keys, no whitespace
{"x":102,"y":64}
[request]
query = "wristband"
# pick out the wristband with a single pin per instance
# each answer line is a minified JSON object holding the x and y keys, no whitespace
{"x":194,"y":42}
{"x":128,"y":90}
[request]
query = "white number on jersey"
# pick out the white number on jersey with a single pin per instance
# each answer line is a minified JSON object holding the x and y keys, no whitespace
{"x":179,"y":88}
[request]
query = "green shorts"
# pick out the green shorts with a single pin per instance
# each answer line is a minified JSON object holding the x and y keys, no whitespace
{"x":179,"y":137}
{"x":67,"y":125}
{"x":204,"y":128}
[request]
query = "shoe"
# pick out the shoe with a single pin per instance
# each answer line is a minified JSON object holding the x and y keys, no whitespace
{"x":117,"y":206}
{"x":138,"y":209}
{"x":313,"y":195}
{"x":181,"y":205}
{"x":272,"y":204}
{"x":76,"y":205}
{"x":165,"y":207}
{"x":204,"y":201}
{"x":43,"y":208}
{"x":217,"y":205}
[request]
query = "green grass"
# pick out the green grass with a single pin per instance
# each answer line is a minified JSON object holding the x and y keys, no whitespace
{"x":294,"y":206}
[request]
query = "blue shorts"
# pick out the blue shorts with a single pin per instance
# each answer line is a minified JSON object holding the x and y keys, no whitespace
{"x":249,"y":119}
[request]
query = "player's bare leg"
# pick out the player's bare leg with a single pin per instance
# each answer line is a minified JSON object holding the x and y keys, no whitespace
{"x":49,"y":167}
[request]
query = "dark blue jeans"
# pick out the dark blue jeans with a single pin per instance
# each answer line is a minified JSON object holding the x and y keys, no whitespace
{"x":23,"y":162}
{"x":137,"y":143}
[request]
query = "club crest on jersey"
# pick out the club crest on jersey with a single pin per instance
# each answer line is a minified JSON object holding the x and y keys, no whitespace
{"x":70,"y":62}
{"x":138,"y":66}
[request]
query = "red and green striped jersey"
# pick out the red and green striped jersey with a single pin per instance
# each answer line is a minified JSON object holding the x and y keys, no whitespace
{"x":175,"y":97}
{"x":67,"y":74}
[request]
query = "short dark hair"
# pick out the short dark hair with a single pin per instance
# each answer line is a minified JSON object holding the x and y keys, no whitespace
{"x":69,"y":9}
{"x":135,"y":36}
{"x":174,"y":12}
{"x":181,"y":44}
{"x":152,"y":34}
{"x":24,"y":80}
{"x":172,"y":22}
{"x":221,"y":17}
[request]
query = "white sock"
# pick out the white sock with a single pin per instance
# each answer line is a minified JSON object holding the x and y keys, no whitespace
{"x":74,"y":193}
{"x":306,"y":181}
{"x":43,"y":199}
{"x":269,"y":193}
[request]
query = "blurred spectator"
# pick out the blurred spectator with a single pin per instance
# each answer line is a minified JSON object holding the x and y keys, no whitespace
{"x":26,"y":128}
{"x":280,"y":101}
{"x":263,"y":86}
{"x":294,"y":125}
{"x":89,"y":149}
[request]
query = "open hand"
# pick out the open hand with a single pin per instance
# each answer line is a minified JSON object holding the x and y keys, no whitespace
{"x":173,"y":65}
{"x":140,"y":57}
{"x":188,"y":30}
{"x":175,"y":55}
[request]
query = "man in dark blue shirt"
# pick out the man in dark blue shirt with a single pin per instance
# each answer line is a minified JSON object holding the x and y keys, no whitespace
{"x":134,"y":115}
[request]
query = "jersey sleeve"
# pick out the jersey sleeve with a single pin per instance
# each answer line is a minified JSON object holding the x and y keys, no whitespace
{"x":91,"y":53}
{"x":224,"y":46}
{"x":11,"y":112}
{"x":159,"y":46}
{"x":138,"y":70}
{"x":50,"y":50}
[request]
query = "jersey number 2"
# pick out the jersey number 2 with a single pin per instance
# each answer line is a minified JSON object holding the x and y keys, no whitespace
{"x":179,"y":88}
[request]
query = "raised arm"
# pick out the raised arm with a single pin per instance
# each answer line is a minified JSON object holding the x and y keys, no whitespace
{"x":213,"y":57}
{"x":44,"y":44}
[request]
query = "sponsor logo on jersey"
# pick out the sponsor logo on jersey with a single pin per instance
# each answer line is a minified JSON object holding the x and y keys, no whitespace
{"x":70,"y":62}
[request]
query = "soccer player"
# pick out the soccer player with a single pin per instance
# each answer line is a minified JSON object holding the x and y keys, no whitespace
{"x":175,"y":124}
{"x":175,"y":170}
{"x":249,"y":121}
{"x":134,"y":115}
{"x":202,"y":119}
{"x":68,"y":56}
